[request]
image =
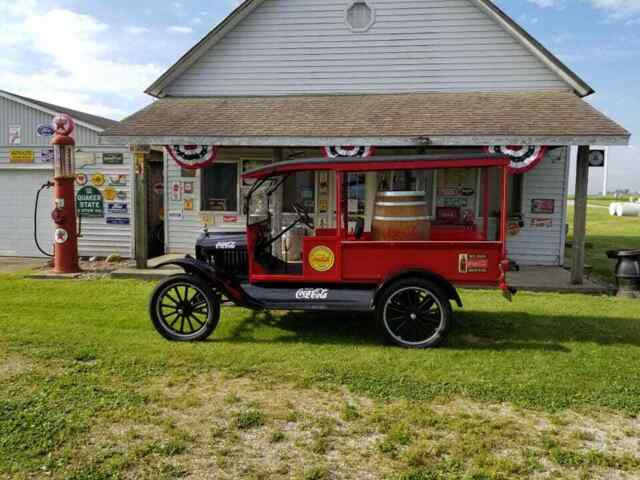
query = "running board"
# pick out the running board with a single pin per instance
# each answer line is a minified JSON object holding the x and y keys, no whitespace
{"x":326,"y":298}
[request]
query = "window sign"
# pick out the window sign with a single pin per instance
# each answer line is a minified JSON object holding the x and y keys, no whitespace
{"x":90,"y":202}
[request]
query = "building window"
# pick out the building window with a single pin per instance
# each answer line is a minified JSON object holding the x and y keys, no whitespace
{"x":220,"y":188}
{"x":300,"y":188}
{"x":516,"y":189}
{"x":360,"y":16}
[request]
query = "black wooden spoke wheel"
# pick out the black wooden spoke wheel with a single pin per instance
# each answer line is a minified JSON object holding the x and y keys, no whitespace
{"x":414,"y":313}
{"x":184,"y":308}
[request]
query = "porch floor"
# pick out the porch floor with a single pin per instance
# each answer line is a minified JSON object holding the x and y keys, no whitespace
{"x":530,"y":279}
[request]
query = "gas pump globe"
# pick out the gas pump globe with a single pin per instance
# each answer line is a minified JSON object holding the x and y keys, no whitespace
{"x":64,"y":213}
{"x":64,"y":147}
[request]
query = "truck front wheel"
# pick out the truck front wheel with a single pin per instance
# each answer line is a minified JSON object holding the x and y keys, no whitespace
{"x":183,"y":308}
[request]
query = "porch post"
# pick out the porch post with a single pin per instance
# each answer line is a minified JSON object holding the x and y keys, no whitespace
{"x":140,"y":210}
{"x":580,"y":216}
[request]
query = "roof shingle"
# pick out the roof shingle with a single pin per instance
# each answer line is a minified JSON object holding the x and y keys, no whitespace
{"x":397,"y":115}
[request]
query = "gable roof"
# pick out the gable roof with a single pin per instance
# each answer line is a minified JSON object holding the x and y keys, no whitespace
{"x":92,"y":122}
{"x":487,"y":6}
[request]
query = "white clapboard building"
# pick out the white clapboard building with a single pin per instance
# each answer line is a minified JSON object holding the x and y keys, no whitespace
{"x":280,"y":79}
{"x":26,"y":164}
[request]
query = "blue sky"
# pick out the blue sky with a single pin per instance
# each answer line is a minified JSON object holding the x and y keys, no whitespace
{"x":99,"y":56}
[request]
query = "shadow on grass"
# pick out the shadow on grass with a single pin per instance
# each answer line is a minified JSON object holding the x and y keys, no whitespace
{"x":470,"y":331}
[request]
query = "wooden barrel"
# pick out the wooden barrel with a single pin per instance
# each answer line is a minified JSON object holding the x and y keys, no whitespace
{"x":401,"y":216}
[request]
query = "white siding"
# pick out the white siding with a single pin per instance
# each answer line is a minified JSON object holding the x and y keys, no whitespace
{"x":543,"y":246}
{"x":99,"y":238}
{"x":304,"y":46}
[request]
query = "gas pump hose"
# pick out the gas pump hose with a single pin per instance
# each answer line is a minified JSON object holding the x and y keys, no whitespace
{"x":35,"y":219}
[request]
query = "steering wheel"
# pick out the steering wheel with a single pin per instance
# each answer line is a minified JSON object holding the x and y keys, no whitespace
{"x":303,"y":215}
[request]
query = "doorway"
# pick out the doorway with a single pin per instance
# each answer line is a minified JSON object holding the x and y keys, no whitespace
{"x":155,"y":205}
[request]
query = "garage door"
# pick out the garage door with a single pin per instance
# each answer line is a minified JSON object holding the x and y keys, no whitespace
{"x":17,"y":199}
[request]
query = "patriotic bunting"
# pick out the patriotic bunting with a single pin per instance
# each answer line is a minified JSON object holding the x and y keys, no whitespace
{"x":193,"y":157}
{"x":348,"y":151}
{"x":523,"y":157}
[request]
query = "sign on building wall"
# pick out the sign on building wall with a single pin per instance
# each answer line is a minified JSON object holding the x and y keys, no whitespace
{"x":21,"y":156}
{"x":90,"y":202}
{"x":15,"y":135}
{"x":45,"y":130}
{"x":113,"y":158}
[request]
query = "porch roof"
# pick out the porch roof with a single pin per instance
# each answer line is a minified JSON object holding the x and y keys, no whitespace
{"x":461,"y":118}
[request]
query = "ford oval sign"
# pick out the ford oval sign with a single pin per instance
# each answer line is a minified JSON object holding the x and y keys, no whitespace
{"x":45,"y":131}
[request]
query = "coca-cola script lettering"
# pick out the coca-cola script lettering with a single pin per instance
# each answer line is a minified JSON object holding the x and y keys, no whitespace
{"x":312,"y":294}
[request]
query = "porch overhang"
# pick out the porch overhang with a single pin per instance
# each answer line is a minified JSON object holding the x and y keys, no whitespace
{"x":402,"y":120}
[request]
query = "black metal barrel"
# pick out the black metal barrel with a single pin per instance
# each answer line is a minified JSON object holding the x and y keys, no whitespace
{"x":627,"y":272}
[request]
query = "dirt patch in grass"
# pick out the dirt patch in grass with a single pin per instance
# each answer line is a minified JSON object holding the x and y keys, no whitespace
{"x":227,"y":428}
{"x":11,"y":366}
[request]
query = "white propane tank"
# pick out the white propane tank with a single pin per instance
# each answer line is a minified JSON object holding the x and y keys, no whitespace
{"x":628,"y":210}
{"x":613,"y":209}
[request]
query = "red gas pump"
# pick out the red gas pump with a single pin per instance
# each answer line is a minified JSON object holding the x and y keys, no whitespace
{"x":64,"y":214}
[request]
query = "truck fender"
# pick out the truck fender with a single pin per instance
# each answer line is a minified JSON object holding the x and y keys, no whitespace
{"x":217,"y":280}
{"x":436,"y":278}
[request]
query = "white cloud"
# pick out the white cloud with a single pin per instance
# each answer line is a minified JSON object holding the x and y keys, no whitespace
{"x":180,"y":30}
{"x":136,"y":30}
{"x":64,"y":57}
{"x":616,"y":9}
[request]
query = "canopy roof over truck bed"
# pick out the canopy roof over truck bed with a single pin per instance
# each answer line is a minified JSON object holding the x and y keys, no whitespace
{"x":409,"y":162}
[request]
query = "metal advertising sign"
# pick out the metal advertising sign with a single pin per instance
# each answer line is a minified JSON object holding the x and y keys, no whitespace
{"x":113,"y":158}
{"x":118,"y":221}
{"x":21,"y":156}
{"x":118,"y":208}
{"x":90,"y":202}
{"x":322,"y":259}
{"x":45,"y":130}
{"x":473,"y":263}
{"x":15,"y":135}
{"x":45,"y":155}
{"x":546,"y":206}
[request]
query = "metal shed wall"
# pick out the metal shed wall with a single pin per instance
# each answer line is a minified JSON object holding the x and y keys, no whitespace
{"x":17,"y":201}
{"x":286,"y":47}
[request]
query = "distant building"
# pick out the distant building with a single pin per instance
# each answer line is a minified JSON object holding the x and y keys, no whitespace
{"x":26,"y":164}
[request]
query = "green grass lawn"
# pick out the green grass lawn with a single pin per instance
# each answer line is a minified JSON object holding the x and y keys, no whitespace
{"x":605,"y":233}
{"x":546,"y":386}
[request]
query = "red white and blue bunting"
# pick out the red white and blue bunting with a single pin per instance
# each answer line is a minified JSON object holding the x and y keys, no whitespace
{"x":523,"y":157}
{"x":347,"y":151}
{"x":193,"y":157}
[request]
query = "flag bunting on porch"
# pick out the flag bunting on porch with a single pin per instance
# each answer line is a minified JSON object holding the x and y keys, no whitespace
{"x":193,"y":157}
{"x":523,"y":157}
{"x":347,"y":151}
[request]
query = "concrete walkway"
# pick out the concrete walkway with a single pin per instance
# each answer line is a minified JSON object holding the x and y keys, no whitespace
{"x":553,"y":279}
{"x":13,"y":264}
{"x":151,"y":273}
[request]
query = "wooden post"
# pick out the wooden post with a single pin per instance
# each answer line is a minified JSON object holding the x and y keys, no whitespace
{"x":140,"y":210}
{"x":580,"y":216}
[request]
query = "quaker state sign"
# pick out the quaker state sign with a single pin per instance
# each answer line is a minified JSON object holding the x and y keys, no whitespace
{"x":90,"y":202}
{"x":322,"y":259}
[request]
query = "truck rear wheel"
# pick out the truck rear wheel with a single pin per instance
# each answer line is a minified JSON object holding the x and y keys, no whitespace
{"x":414,"y":313}
{"x":183,"y":308}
